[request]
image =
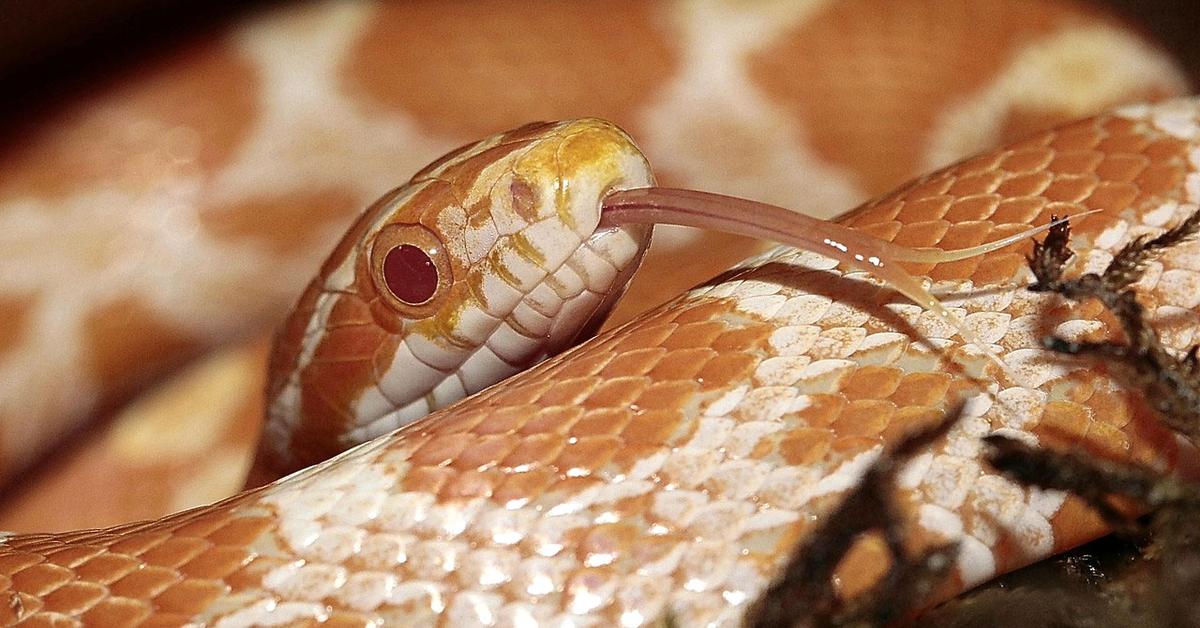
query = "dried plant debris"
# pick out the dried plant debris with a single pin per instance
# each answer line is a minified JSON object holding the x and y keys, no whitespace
{"x":1150,"y":580}
{"x":1160,"y":590}
{"x":1148,"y":576}
{"x":804,"y":595}
{"x":1170,"y":382}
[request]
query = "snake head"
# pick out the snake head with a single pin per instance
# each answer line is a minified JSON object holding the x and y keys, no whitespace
{"x":486,"y":262}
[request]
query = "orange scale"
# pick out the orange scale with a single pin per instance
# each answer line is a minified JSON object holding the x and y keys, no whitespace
{"x":967,"y":234}
{"x":459,"y":423}
{"x":822,"y":410}
{"x":526,"y":395}
{"x":861,"y":567}
{"x":874,"y":212}
{"x":998,"y":269}
{"x":587,"y":455}
{"x":1123,"y":167}
{"x":1027,"y":159}
{"x":427,"y":479}
{"x":882,"y":230}
{"x":117,"y":611}
{"x":202,"y":526}
{"x":684,"y":364}
{"x":1111,"y":408}
{"x":1165,"y":150}
{"x":1112,"y":197}
{"x":619,"y":392}
{"x":973,"y":207}
{"x":864,"y":418}
{"x":922,"y":234}
{"x":652,"y":427}
{"x":1063,"y":422}
{"x":1158,"y":179}
{"x":694,"y":335}
{"x":925,"y":209}
{"x":1118,"y":126}
{"x":706,"y":310}
{"x":1020,"y":210}
{"x":980,"y":183}
{"x":955,"y":270}
{"x":1025,"y":184}
{"x":505,"y":420}
{"x":1043,"y":138}
{"x":539,"y":449}
{"x":72,"y":556}
{"x":726,"y":368}
{"x":632,"y":454}
{"x":109,"y":567}
{"x":852,"y":446}
{"x":190,"y":597}
{"x":742,"y":338}
{"x":989,"y":161}
{"x":176,"y":551}
{"x":652,"y":336}
{"x":633,"y":363}
{"x":1117,"y":143}
{"x":139,"y":542}
{"x":921,"y":389}
{"x":1082,"y":136}
{"x":216,"y":563}
{"x":586,"y":365}
{"x":38,"y":580}
{"x":145,"y":583}
{"x":909,"y":420}
{"x":1076,"y":162}
{"x":441,"y":449}
{"x":349,"y":620}
{"x":472,"y":484}
{"x":666,"y":395}
{"x":251,"y":574}
{"x":567,"y":392}
{"x":526,"y":486}
{"x":486,"y":451}
{"x":1080,"y":387}
{"x":552,"y":420}
{"x":939,"y":185}
{"x":1153,"y":449}
{"x":1107,"y":441}
{"x":602,"y":422}
{"x":871,"y":382}
{"x":805,"y":446}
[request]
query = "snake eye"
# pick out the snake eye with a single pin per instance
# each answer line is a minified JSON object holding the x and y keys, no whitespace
{"x":410,"y":274}
{"x":410,"y":268}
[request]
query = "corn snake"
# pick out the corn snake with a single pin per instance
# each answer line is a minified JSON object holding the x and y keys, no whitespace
{"x":843,"y":341}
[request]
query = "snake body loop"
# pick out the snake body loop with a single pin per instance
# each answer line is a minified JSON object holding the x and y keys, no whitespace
{"x":669,"y":466}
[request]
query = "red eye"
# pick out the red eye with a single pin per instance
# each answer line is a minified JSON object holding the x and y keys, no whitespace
{"x":410,"y":274}
{"x":411,"y":270}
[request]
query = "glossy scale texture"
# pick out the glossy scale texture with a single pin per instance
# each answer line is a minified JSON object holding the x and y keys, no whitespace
{"x":670,"y":465}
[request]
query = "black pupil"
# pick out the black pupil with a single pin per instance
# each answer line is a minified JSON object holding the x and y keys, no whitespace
{"x":410,"y":274}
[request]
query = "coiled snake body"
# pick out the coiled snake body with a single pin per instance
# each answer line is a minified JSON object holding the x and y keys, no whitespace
{"x":669,"y":465}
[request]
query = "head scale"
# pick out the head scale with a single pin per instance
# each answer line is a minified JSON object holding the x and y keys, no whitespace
{"x":487,"y":261}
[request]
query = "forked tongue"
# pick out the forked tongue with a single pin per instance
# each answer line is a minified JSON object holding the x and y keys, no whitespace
{"x":855,"y":249}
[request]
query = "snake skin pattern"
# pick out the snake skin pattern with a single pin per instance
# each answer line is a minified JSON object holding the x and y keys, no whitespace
{"x":669,"y":465}
{"x":182,"y":203}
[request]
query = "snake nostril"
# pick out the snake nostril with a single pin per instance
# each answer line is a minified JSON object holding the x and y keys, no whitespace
{"x":410,"y":274}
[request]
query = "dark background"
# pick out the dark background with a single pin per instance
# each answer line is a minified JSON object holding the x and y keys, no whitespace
{"x":46,"y":45}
